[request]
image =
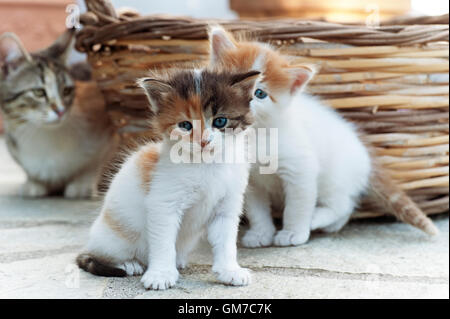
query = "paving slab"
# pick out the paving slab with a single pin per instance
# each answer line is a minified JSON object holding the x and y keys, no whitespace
{"x":40,"y":238}
{"x":361,"y":247}
{"x":292,"y":283}
{"x":52,"y":276}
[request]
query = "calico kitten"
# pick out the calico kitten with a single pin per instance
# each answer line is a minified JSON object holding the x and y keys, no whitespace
{"x":324,"y":168}
{"x":59,"y":143}
{"x":157,"y":209}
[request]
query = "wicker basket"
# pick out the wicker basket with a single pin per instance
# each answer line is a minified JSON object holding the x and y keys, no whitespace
{"x":392,"y":81}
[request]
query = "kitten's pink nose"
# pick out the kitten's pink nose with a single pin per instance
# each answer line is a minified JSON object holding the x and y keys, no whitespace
{"x":206,"y":138}
{"x":59,"y":112}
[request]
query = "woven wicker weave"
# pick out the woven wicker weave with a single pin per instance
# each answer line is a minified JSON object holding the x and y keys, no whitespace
{"x":392,"y":80}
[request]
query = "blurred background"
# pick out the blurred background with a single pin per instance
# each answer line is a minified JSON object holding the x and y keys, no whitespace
{"x":39,"y":22}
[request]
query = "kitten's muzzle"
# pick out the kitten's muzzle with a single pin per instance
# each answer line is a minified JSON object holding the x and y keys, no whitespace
{"x":59,"y":111}
{"x":207,"y":137}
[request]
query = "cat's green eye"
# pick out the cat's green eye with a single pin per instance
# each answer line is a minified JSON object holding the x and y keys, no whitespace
{"x":39,"y":92}
{"x":67,"y":91}
{"x":187,"y":126}
{"x":260,"y":94}
{"x":220,"y":122}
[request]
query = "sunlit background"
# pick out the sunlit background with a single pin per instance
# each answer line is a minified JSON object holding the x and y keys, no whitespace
{"x":194,"y":8}
{"x":39,"y":22}
{"x":221,"y":8}
{"x":431,"y":7}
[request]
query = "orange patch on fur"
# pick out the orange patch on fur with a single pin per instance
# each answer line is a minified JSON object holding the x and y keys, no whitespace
{"x":275,"y":74}
{"x":180,"y":110}
{"x":121,"y":230}
{"x":148,"y":157}
{"x":243,"y":58}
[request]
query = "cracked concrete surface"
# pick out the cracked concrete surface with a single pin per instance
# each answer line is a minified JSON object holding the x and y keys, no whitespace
{"x":39,"y":240}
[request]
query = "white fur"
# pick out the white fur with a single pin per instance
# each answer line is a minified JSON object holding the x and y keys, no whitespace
{"x":184,"y":202}
{"x":323,"y":168}
{"x":68,"y":155}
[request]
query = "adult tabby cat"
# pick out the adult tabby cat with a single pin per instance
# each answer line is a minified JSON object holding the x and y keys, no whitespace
{"x":58,"y":142}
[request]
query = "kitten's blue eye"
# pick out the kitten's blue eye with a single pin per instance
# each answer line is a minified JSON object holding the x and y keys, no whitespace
{"x":220,"y":122}
{"x":185,"y":125}
{"x":260,"y":94}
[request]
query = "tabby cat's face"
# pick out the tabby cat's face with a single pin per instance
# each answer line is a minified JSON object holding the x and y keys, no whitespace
{"x":35,"y":89}
{"x":40,"y":92}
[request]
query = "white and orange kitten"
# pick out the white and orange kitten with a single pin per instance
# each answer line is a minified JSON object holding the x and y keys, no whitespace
{"x":323,"y":167}
{"x":157,"y":208}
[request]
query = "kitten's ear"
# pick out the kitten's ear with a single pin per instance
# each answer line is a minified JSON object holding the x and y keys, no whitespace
{"x":155,"y":90}
{"x":61,"y":48}
{"x":300,"y":76}
{"x":11,"y":49}
{"x":220,"y":41}
{"x":245,"y":81}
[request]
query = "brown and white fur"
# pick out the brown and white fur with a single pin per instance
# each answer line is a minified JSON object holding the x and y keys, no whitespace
{"x":156,"y":208}
{"x":324,"y":168}
{"x":60,"y":143}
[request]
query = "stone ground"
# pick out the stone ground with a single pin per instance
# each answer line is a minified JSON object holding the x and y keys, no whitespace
{"x":39,"y":240}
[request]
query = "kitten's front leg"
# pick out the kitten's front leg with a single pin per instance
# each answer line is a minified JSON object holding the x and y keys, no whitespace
{"x":222,"y":235}
{"x":162,"y":228}
{"x":33,"y":188}
{"x":300,"y":200}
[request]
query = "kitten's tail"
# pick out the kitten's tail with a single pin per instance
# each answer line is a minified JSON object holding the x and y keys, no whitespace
{"x":392,"y":198}
{"x":98,"y":266}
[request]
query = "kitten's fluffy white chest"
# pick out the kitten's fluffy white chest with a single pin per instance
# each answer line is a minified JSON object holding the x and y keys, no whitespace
{"x":207,"y":184}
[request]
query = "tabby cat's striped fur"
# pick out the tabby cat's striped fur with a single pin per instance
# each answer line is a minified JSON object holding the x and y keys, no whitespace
{"x":58,"y":142}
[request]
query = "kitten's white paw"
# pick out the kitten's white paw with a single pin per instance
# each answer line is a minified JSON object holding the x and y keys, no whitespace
{"x":31,"y":189}
{"x":254,"y":239}
{"x":132,"y":268}
{"x":78,"y":190}
{"x":159,"y":279}
{"x":236,"y":276}
{"x":290,"y":238}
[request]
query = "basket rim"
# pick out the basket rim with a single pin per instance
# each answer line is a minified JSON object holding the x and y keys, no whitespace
{"x":102,"y":25}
